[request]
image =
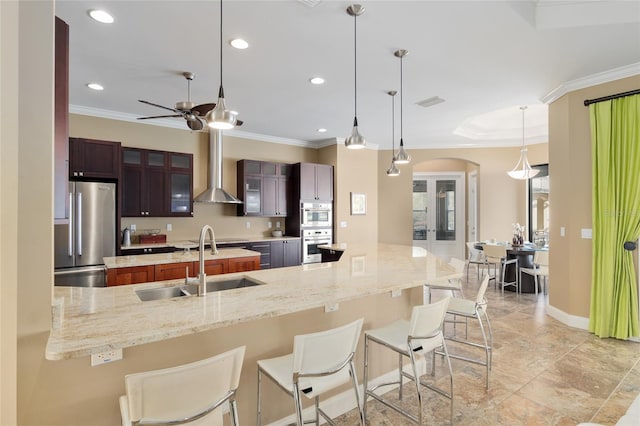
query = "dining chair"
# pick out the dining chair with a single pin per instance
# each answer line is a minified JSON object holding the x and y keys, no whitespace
{"x":191,"y":394}
{"x":540,"y":269}
{"x":496,"y":256}
{"x":476,"y":257}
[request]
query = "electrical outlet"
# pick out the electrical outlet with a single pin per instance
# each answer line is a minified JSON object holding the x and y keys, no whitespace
{"x":132,"y":227}
{"x":396,"y":293}
{"x":331,"y":308}
{"x":106,"y":357}
{"x":562,"y":231}
{"x":343,"y":224}
{"x":169,"y":227}
{"x":248,"y":225}
{"x":278,"y":225}
{"x":269,"y":225}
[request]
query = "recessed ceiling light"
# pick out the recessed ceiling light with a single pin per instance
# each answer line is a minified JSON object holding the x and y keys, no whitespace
{"x":322,"y":130}
{"x":316,"y":80}
{"x":95,"y":86}
{"x":101,"y":16}
{"x":239,"y":43}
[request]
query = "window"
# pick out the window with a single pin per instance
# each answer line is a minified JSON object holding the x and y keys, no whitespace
{"x":539,"y":206}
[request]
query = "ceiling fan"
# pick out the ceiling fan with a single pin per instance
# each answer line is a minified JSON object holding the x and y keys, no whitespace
{"x":192,"y":113}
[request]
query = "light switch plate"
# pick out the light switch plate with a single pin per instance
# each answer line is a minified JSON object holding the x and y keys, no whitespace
{"x":586,"y":233}
{"x":169,"y":227}
{"x":269,"y":225}
{"x":343,"y":224}
{"x":562,"y":231}
{"x":133,"y":227}
{"x":248,"y":225}
{"x":396,"y":293}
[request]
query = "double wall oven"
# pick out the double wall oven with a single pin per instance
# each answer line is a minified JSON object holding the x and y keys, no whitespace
{"x":316,"y":230}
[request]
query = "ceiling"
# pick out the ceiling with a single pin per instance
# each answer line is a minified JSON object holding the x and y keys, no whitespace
{"x":484,"y":58}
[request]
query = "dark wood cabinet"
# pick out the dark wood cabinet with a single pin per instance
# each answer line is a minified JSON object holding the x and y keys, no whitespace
{"x":156,"y":183}
{"x":316,"y":182}
{"x":285,"y":253}
{"x":93,"y":159}
{"x":264,"y":247}
{"x":61,"y":121}
{"x":263,"y":187}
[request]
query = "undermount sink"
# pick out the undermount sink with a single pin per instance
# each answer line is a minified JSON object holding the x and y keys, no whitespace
{"x":192,"y":290}
{"x":160,"y":293}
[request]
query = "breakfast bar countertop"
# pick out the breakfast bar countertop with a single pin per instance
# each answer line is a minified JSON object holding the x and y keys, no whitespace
{"x":175,"y":257}
{"x":93,"y":320}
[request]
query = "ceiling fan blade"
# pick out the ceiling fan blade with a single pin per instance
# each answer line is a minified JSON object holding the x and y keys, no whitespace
{"x":202,"y":109}
{"x":195,"y":124}
{"x":158,"y":116}
{"x":159,"y":106}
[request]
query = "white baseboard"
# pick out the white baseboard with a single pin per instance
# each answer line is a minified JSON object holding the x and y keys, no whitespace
{"x":568,"y":319}
{"x":346,"y":401}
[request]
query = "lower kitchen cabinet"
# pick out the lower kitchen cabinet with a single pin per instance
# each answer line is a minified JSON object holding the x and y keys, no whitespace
{"x":243,"y":264}
{"x":213,"y":267}
{"x":130,"y":275}
{"x":285,"y":253}
{"x":264,"y":247}
{"x":174,"y":271}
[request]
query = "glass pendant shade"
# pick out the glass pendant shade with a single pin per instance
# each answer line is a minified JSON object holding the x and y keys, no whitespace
{"x":355,"y":140}
{"x":220,"y":117}
{"x":523,"y":170}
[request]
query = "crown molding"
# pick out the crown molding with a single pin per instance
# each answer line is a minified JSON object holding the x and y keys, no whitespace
{"x":592,"y":80}
{"x":178,"y":124}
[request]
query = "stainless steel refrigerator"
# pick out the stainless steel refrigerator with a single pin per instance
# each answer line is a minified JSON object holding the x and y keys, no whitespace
{"x":87,"y":236}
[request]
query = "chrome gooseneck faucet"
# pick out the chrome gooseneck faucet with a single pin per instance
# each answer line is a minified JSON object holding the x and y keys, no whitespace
{"x":201,"y":280}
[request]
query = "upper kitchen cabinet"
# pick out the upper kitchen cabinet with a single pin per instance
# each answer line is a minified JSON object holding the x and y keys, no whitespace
{"x":315,"y":181}
{"x":93,"y":159}
{"x":156,"y":183}
{"x":263,"y":187}
{"x":61,"y":122}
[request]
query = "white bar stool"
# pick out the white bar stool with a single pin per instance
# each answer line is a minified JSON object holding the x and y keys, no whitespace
{"x":187,"y":394}
{"x":422,"y":335}
{"x":473,"y":309}
{"x":320,"y":362}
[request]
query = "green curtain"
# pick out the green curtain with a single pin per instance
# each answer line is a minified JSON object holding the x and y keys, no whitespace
{"x":615,"y":149}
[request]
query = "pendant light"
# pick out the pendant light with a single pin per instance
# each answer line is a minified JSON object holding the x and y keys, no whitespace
{"x":220,"y":117}
{"x":393,"y":170}
{"x":523,"y":169}
{"x":355,"y":140}
{"x":402,"y":157}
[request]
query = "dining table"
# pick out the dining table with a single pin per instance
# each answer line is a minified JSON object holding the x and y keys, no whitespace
{"x":524,"y":254}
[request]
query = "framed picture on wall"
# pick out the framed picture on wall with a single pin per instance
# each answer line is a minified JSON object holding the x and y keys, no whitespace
{"x":358,"y":203}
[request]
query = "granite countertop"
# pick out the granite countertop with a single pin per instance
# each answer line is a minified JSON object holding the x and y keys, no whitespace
{"x":221,"y":241}
{"x":93,"y":320}
{"x":175,"y":257}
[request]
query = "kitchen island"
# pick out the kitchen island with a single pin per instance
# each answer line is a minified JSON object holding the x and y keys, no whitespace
{"x":369,"y":270}
{"x":379,"y":283}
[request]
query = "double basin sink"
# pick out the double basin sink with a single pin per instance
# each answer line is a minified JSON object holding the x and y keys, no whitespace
{"x":150,"y":294}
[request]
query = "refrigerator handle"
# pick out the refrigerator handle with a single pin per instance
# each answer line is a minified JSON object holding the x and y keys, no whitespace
{"x":70,"y":236}
{"x":79,"y":223}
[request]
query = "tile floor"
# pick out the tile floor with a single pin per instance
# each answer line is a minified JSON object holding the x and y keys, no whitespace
{"x":543,"y":373}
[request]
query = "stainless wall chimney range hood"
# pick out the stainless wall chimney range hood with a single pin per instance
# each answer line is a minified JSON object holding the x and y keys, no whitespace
{"x":214,"y":192}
